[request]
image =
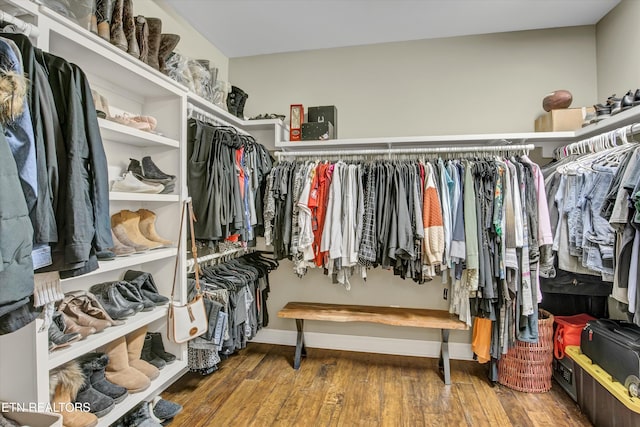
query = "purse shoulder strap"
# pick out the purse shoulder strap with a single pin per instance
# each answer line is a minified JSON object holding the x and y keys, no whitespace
{"x":193,"y":248}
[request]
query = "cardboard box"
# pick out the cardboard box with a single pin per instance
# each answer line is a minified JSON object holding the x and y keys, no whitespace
{"x":328,"y":113}
{"x":562,"y":120}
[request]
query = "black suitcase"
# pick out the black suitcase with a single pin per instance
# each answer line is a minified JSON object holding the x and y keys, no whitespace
{"x":614,"y":346}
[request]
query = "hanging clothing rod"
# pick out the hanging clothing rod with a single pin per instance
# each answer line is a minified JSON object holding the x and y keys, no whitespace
{"x":211,"y":257}
{"x":391,"y":151}
{"x":194,"y":112}
{"x":598,"y":142}
{"x":27,"y":29}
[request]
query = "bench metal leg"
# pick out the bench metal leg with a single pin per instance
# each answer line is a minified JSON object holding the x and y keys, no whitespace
{"x":301,"y":350}
{"x":444,"y":356}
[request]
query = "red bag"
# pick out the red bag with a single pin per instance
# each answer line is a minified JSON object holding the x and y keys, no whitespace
{"x":568,"y":331}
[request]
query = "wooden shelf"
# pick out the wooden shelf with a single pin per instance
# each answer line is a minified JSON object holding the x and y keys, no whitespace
{"x":143,"y":197}
{"x":121,"y":263}
{"x":117,"y":132}
{"x":77,"y":349}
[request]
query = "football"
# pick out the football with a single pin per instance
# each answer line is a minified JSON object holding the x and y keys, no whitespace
{"x":557,"y":100}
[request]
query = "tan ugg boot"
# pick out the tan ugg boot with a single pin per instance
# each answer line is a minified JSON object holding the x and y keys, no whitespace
{"x":126,"y":227}
{"x":119,"y":371}
{"x":135,"y":342}
{"x":148,"y":227}
{"x":64,"y":383}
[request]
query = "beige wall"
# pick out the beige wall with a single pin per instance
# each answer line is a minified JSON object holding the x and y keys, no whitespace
{"x":617,"y":44}
{"x":480,"y":84}
{"x":476,"y":84}
{"x":192,"y":43}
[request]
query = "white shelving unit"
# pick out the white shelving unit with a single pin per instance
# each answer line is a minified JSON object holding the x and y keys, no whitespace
{"x":133,"y":87}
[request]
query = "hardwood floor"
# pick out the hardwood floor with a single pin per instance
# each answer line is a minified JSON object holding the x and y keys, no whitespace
{"x":258,"y":387}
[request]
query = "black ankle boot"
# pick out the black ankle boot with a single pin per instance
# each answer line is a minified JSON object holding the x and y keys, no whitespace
{"x":233,"y":100}
{"x":149,"y":356}
{"x":99,"y":404}
{"x":153,"y":172}
{"x":97,"y":362}
{"x":157,"y":347}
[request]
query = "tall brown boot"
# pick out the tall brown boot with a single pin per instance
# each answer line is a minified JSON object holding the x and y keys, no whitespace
{"x":118,"y":38}
{"x":64,"y":383}
{"x":135,"y":342}
{"x":119,"y":371}
{"x":104,"y":9}
{"x":129,"y":26}
{"x":126,"y":227}
{"x":155,"y":32}
{"x":148,"y":227}
{"x":168,"y":42}
{"x":142,"y":35}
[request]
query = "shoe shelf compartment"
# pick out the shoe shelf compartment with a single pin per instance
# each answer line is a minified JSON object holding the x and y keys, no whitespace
{"x":93,"y":341}
{"x":168,"y":375}
{"x":97,"y":56}
{"x":117,"y":132}
{"x":143,"y":197}
{"x":121,"y":263}
{"x":627,"y":117}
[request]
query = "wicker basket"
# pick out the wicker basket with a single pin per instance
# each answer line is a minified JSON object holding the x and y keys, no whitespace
{"x":527,"y":366}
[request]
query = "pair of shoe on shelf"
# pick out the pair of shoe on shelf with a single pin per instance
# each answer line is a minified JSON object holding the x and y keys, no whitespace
{"x":144,"y":177}
{"x":140,"y":122}
{"x":135,"y":232}
{"x":77,"y":316}
{"x":616,"y":105}
{"x":157,"y":413}
{"x":134,"y":293}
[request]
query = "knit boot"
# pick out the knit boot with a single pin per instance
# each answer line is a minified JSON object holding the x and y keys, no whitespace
{"x":148,"y":227}
{"x":168,"y":42}
{"x":104,"y":10}
{"x":145,"y":284}
{"x":125,"y":225}
{"x":148,"y":355}
{"x":155,"y":33}
{"x":118,"y":38}
{"x":129,"y":27}
{"x":135,"y":342}
{"x":142,"y":35}
{"x":157,"y":347}
{"x":98,"y":403}
{"x":64,"y":383}
{"x":96,"y":364}
{"x":119,"y":372}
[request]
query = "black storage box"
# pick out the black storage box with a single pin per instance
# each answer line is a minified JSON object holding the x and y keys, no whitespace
{"x":614,"y":346}
{"x":317,"y":131}
{"x":564,"y":374}
{"x":327,"y":113}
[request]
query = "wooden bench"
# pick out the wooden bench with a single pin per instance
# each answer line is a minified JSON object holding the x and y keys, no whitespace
{"x":416,"y":317}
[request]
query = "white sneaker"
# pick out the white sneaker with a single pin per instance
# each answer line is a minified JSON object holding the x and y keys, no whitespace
{"x":130,"y":184}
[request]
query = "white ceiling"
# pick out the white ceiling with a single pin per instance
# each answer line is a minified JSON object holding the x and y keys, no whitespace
{"x":254,"y":27}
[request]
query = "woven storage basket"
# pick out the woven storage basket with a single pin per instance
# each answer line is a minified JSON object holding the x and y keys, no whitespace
{"x":527,"y":366}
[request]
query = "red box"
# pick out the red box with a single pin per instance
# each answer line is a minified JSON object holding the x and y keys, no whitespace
{"x":296,"y":119}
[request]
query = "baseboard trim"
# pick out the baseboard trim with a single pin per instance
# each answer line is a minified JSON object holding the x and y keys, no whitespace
{"x":403,"y":347}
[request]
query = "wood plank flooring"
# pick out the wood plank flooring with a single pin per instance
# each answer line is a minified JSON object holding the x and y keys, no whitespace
{"x":258,"y":387}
